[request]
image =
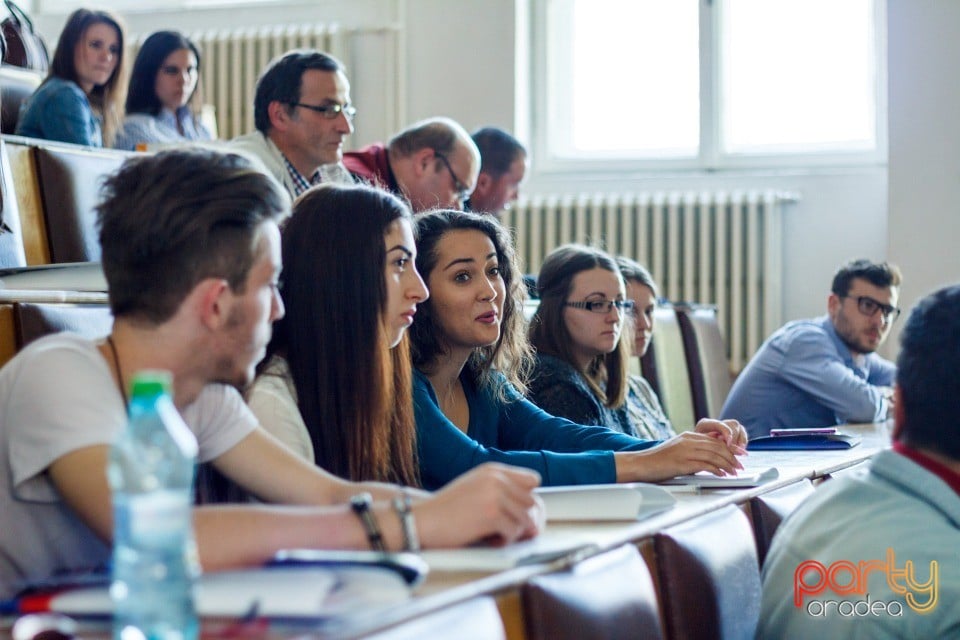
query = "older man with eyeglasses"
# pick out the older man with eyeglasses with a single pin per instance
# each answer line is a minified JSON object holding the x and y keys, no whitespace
{"x":302,"y":112}
{"x":433,"y":164}
{"x":824,"y":371}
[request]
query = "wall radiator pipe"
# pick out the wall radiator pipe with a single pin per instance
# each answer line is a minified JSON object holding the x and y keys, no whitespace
{"x":723,"y":248}
{"x":233,"y":59}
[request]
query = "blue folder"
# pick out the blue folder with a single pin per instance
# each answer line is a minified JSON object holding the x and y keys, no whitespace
{"x":803,"y":441}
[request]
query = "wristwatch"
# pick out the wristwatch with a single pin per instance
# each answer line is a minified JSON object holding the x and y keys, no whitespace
{"x":360,"y":504}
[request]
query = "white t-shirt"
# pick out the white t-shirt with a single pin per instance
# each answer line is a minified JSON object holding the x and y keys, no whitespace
{"x":57,"y":396}
{"x":273,"y":399}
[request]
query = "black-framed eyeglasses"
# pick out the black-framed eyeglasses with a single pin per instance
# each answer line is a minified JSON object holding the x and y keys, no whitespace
{"x":602,"y":306}
{"x":329,"y":111}
{"x":868,"y":307}
{"x":463,"y":191}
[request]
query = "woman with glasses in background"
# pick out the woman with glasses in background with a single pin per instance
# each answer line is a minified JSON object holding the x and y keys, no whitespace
{"x":581,"y":332}
{"x":643,"y":404}
{"x":470,"y":354}
{"x":162,"y":98}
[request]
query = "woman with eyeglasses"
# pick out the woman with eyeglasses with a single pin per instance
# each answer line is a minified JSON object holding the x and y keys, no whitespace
{"x":162,"y":101}
{"x":471,"y":355}
{"x":581,"y":332}
{"x":335,"y":384}
{"x":642,"y":402}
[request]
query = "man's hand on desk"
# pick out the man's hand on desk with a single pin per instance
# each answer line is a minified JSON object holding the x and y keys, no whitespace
{"x":493,"y":502}
{"x":891,"y":399}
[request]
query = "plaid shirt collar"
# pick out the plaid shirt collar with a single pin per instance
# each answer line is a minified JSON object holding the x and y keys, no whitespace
{"x":300,"y":183}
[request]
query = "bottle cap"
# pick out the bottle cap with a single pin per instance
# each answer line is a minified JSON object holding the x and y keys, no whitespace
{"x":150,"y":383}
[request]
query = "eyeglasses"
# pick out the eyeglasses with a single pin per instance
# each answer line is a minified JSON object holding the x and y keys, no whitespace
{"x":602,"y":306}
{"x":330,"y":111}
{"x":868,"y":307}
{"x":463,"y":191}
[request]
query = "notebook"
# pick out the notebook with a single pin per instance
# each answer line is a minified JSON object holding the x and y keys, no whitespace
{"x":287,"y":592}
{"x":409,"y":566}
{"x":627,"y":501}
{"x":803,"y":441}
{"x":542,"y":549}
{"x":746,"y":478}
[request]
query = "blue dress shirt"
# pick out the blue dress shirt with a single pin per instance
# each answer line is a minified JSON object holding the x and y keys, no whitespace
{"x":805,"y":376}
{"x":163,"y":128}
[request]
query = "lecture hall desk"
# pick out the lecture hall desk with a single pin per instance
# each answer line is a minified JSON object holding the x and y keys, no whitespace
{"x":445,"y":588}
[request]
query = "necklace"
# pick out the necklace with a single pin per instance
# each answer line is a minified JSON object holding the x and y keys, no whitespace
{"x":116,"y":365}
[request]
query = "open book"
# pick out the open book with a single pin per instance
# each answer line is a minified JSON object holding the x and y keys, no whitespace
{"x":546,"y":547}
{"x":288,"y":592}
{"x":746,"y":478}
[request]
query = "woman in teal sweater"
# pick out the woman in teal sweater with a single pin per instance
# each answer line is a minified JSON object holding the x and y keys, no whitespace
{"x":471,"y":357}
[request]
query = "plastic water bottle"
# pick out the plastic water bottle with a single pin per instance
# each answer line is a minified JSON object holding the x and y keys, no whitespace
{"x":151,"y":472}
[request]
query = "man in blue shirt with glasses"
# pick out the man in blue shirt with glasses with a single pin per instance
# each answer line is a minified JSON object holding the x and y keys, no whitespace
{"x":824,"y":371}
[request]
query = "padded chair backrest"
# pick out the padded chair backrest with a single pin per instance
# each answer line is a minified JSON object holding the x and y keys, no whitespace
{"x":11,"y":238}
{"x":768,"y":510}
{"x":70,"y":181}
{"x":476,"y":619}
{"x":35,"y":320}
{"x":16,"y":85}
{"x":609,"y":596}
{"x":706,"y":355}
{"x":668,"y":374}
{"x":708,"y":577}
{"x":26,"y":185}
{"x":8,"y":333}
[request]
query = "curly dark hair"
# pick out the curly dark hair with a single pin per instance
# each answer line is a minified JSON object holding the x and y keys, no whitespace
{"x":511,"y":354}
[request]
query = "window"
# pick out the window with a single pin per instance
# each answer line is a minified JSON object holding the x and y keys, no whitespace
{"x":708,"y":83}
{"x":134,"y":6}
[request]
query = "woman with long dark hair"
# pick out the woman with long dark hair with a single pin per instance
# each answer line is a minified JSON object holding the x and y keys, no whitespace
{"x":81,"y":100}
{"x":471,"y":354}
{"x":162,"y":98}
{"x":337,"y":373}
{"x":335,"y":385}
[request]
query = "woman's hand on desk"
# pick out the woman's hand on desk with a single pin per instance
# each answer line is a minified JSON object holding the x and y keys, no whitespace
{"x":493,"y":502}
{"x":730,"y":431}
{"x":684,"y":454}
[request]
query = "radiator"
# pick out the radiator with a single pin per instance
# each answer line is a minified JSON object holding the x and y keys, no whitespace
{"x":233,"y":60}
{"x":721,"y":248}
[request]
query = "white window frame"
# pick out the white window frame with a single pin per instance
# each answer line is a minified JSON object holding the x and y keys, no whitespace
{"x":710,"y":158}
{"x":139,"y":6}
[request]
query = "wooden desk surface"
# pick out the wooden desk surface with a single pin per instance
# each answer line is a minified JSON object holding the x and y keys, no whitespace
{"x":444,"y":588}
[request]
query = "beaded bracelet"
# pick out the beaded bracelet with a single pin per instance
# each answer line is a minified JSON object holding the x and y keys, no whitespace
{"x":402,"y":504}
{"x":360,"y":504}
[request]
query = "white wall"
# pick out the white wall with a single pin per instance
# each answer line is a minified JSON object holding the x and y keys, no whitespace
{"x":924,"y":189}
{"x":464,"y":61}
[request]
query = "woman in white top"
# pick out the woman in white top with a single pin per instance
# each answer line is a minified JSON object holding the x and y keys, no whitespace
{"x":336,"y":384}
{"x":162,"y":98}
